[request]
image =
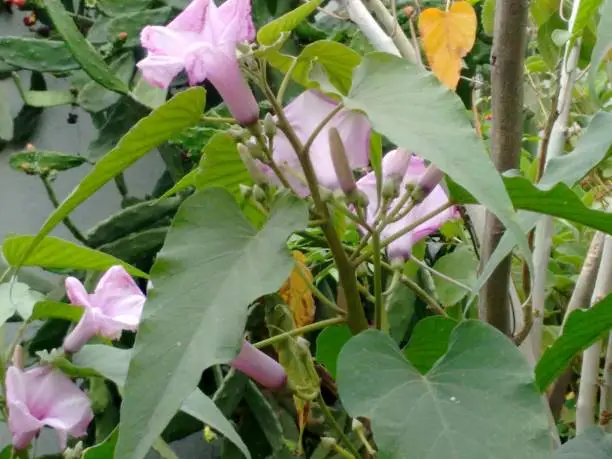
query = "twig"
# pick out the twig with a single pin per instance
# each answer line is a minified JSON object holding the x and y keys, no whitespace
{"x":425,"y":266}
{"x":331,"y":420}
{"x":552,"y":146}
{"x":300,"y":331}
{"x":589,"y":373}
{"x":67,"y":222}
{"x":360,"y":15}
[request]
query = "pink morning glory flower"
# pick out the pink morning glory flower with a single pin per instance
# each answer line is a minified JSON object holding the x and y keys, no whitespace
{"x":202,"y":41}
{"x":115,"y":305}
{"x":259,"y":367}
{"x":410,"y":169}
{"x":43,"y":396}
{"x":304,"y":114}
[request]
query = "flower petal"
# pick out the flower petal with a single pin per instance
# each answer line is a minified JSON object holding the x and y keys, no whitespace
{"x":259,"y":366}
{"x":22,"y":423}
{"x":160,"y":70}
{"x":76,"y":292}
{"x":118,"y":279}
{"x":236,"y":16}
{"x":83,"y":332}
{"x":225,"y":75}
{"x":192,"y":18}
{"x":164,"y":41}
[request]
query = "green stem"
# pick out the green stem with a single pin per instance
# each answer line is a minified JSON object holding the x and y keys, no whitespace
{"x":286,"y":80}
{"x":403,"y":231}
{"x":121,"y":185}
{"x":217,"y":119}
{"x":430,"y":300}
{"x":356,"y":316}
{"x":331,"y":420}
{"x":378,"y":298}
{"x":299,"y":331}
{"x":316,"y":292}
{"x":67,"y":222}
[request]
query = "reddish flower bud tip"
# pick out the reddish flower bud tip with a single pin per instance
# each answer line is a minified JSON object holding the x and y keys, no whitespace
{"x":29,"y":20}
{"x":18,"y":3}
{"x":30,"y":147}
{"x":122,"y":36}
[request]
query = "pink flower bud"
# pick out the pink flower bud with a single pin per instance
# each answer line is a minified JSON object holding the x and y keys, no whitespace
{"x":259,"y":366}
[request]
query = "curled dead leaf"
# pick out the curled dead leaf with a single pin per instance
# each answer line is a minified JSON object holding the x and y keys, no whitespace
{"x":296,"y":294}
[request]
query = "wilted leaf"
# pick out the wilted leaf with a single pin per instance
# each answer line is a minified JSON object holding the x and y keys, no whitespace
{"x":447,"y":37}
{"x":296,"y":294}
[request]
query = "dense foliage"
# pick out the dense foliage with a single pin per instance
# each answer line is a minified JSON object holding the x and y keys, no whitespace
{"x":382,"y":229}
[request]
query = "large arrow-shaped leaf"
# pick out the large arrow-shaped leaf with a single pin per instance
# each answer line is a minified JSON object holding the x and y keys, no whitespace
{"x":212,"y":266}
{"x":479,"y":401}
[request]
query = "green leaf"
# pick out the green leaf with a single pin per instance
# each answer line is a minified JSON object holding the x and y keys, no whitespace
{"x":586,"y":11}
{"x":487,"y":17}
{"x":103,"y":450}
{"x":535,"y":64}
{"x":429,"y":341}
{"x":131,"y":219}
{"x":43,"y":98}
{"x":16,"y":297}
{"x":95,"y":98}
{"x":42,"y":162}
{"x":112,"y":363}
{"x":55,"y":253}
{"x":274,"y":30}
{"x":591,"y":148}
{"x":170,"y":119}
{"x":36,"y":54}
{"x":130,"y":23}
{"x":6,"y":120}
{"x":108,"y":361}
{"x":461,"y":265}
{"x":479,"y":400}
{"x":542,"y":10}
{"x":44,"y":310}
{"x":408,"y":106}
{"x":400,"y":311}
{"x":81,"y":49}
{"x":604,"y":41}
{"x":329,"y":344}
{"x":187,"y":181}
{"x":549,"y":51}
{"x":119,"y":7}
{"x":593,"y":443}
{"x":559,"y":201}
{"x":221,"y":165}
{"x":147,"y":94}
{"x":212,"y":266}
{"x":583,"y":328}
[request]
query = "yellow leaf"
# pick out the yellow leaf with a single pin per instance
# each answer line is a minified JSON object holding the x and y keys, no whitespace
{"x":447,"y":37}
{"x":297,"y":295}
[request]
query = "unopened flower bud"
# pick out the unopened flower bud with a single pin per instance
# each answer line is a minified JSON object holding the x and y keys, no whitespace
{"x":122,"y":36}
{"x":245,"y":191}
{"x":428,"y":181}
{"x":362,"y":199}
{"x":328,"y":442}
{"x":356,"y":424}
{"x":238,"y":133}
{"x":269,"y":125}
{"x":75,"y":452}
{"x":390,"y":188}
{"x":341,"y":164}
{"x":255,"y":149}
{"x":29,"y":20}
{"x":209,"y":434}
{"x":259,"y":194}
{"x":251,"y":166}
